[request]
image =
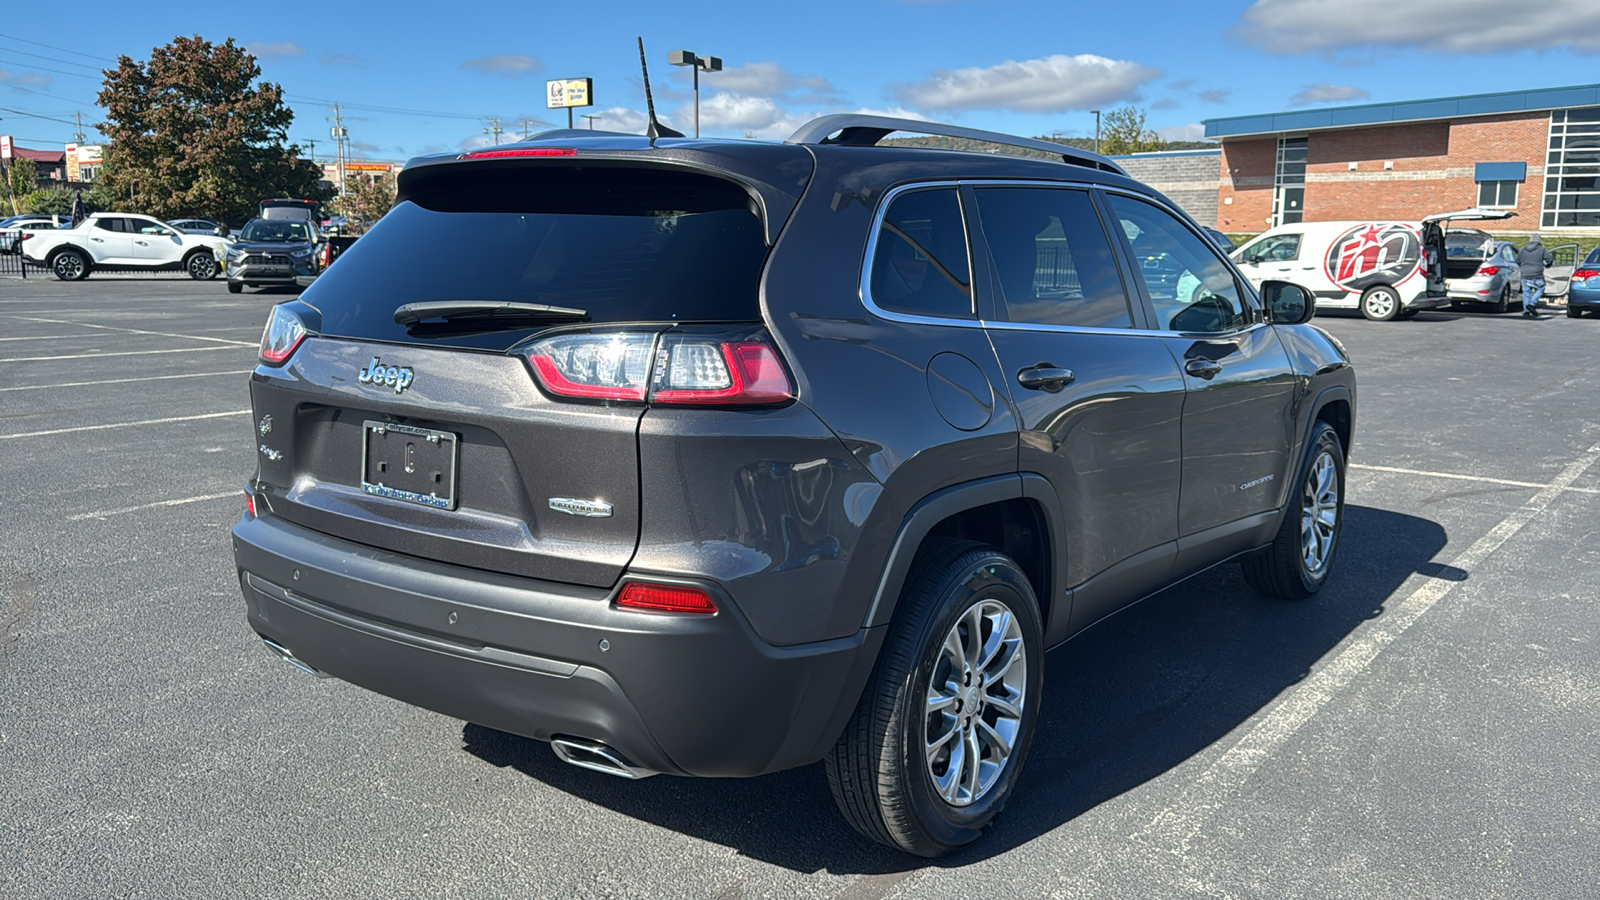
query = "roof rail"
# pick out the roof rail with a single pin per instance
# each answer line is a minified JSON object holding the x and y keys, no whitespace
{"x":853,"y":130}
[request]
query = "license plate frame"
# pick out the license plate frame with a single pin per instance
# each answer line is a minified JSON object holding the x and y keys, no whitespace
{"x":402,"y":470}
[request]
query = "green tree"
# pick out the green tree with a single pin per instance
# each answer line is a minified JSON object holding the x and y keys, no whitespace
{"x":193,"y":132}
{"x":23,"y":176}
{"x":364,"y":203}
{"x":1122,"y":131}
{"x":55,"y":200}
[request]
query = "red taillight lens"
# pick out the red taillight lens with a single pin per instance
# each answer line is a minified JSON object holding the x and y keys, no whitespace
{"x":522,"y":151}
{"x":691,"y":370}
{"x":1586,"y":273}
{"x":1489,"y":270}
{"x":283,"y":334}
{"x":250,"y":504}
{"x":674,"y":369}
{"x":665,"y":598}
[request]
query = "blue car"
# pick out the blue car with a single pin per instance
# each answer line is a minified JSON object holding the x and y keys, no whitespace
{"x":1584,"y":294}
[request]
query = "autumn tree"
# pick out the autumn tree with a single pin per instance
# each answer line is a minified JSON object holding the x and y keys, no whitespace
{"x":194,"y":132}
{"x":364,"y":203}
{"x":1122,"y":131}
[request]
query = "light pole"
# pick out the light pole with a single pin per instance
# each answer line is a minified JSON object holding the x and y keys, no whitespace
{"x":1096,"y":129}
{"x":699,"y":64}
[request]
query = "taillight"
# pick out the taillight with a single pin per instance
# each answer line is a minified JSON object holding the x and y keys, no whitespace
{"x":1489,"y":270}
{"x":283,"y":334}
{"x":519,"y":151}
{"x":665,"y":598}
{"x":250,"y":504}
{"x":676,"y":368}
{"x":1586,"y":273}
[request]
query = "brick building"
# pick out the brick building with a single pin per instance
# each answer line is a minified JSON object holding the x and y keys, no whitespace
{"x":1537,"y":152}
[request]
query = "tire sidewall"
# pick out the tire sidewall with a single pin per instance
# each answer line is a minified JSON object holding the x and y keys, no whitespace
{"x":1382,"y":289}
{"x":189,"y":265}
{"x":991,"y":577}
{"x":1324,"y":438}
{"x":83,"y":265}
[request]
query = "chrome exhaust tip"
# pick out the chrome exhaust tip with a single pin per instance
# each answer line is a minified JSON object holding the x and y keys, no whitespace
{"x":586,"y":754}
{"x":284,"y":654}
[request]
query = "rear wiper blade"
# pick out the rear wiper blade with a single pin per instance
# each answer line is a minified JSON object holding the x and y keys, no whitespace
{"x":412,"y":313}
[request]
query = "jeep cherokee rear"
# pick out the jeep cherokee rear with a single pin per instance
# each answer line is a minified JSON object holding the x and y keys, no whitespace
{"x":723,"y":458}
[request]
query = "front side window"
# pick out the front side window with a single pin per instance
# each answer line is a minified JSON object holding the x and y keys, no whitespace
{"x":1190,"y":287}
{"x":919,"y":265}
{"x":1052,"y":258}
{"x":1278,"y":248}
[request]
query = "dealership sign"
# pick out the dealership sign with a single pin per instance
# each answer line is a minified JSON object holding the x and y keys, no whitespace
{"x":566,"y":93}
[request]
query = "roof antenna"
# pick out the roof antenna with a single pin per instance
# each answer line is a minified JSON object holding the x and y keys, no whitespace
{"x":656,"y":130}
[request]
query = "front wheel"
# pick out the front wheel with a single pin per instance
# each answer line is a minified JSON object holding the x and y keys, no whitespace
{"x":1297,"y":562}
{"x":202,"y":266}
{"x":70,"y":265}
{"x":936,"y":745}
{"x":1381,"y":303}
{"x":235,"y":287}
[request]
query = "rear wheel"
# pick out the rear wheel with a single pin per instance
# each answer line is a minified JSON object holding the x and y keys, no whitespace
{"x":935,"y":747}
{"x":1504,"y":303}
{"x":1380,"y":303}
{"x":70,"y":265}
{"x":1297,"y":562}
{"x":1573,"y":313}
{"x":235,"y":287}
{"x":201,"y":265}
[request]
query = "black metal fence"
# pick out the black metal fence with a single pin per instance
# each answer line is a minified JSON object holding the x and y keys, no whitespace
{"x":11,"y":254}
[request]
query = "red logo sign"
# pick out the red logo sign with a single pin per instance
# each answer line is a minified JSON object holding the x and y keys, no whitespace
{"x":1378,"y":253}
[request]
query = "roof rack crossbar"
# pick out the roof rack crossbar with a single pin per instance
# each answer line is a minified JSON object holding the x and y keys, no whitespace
{"x":852,"y":130}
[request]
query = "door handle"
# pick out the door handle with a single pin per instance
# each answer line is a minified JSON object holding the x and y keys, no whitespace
{"x":1203,"y":368}
{"x":141,"y":243}
{"x":98,"y":240}
{"x":1045,"y":377}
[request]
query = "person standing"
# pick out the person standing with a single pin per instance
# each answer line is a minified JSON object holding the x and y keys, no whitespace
{"x":1532,"y":260}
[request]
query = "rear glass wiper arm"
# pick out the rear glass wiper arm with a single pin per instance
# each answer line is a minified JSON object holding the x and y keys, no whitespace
{"x":412,"y":313}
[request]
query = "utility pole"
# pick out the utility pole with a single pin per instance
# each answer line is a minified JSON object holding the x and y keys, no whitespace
{"x":1096,"y":129}
{"x":79,"y":133}
{"x":493,"y":128}
{"x":339,"y":137}
{"x":591,"y":121}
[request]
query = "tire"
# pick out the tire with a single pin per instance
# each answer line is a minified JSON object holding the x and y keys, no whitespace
{"x":1574,"y":313}
{"x":235,"y":287}
{"x":70,"y":265}
{"x":201,"y":265}
{"x":883,"y":779}
{"x":1293,"y":567}
{"x":1380,"y":303}
{"x":1503,"y":305}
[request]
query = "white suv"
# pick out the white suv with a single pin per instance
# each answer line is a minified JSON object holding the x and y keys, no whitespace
{"x":124,"y":241}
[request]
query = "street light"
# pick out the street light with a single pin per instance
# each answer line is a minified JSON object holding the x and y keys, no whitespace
{"x":1096,"y":129}
{"x":699,"y":64}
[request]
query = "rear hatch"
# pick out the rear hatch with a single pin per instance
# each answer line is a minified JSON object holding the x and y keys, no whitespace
{"x":1435,"y":255}
{"x":433,"y":438}
{"x":1466,"y":250}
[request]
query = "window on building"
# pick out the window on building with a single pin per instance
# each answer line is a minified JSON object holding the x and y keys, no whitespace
{"x":1289,"y":181}
{"x":1497,"y":193}
{"x":1572,"y":170}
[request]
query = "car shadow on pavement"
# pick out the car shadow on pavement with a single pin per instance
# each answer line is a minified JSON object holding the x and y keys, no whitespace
{"x":1126,"y":701}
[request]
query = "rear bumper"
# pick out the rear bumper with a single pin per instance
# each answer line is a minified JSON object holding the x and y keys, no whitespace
{"x":1580,"y":298}
{"x":692,"y":695}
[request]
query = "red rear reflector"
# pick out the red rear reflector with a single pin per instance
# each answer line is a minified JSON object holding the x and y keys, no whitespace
{"x":250,"y":504}
{"x":523,"y":151}
{"x":1489,"y":270}
{"x":1586,"y":273}
{"x":665,"y":598}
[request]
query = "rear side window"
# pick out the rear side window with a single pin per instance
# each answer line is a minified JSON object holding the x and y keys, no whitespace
{"x":1053,"y":258}
{"x":919,"y":263}
{"x":118,"y":225}
{"x":1278,"y":248}
{"x":623,"y":244}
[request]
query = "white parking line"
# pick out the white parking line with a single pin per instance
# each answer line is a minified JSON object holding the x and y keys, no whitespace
{"x":118,"y":353}
{"x":1482,"y":478}
{"x":43,"y":337}
{"x":102,"y":513}
{"x":236,"y":412}
{"x":40,"y":387}
{"x":192,"y":337}
{"x":1174,"y":827}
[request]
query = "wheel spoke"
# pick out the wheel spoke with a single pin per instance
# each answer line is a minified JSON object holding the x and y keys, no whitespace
{"x":971,"y":764}
{"x":972,"y":708}
{"x":997,"y":640}
{"x":1004,"y":706}
{"x":996,"y":742}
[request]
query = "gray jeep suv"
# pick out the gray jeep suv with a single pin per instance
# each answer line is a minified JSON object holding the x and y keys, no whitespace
{"x":725,"y":457}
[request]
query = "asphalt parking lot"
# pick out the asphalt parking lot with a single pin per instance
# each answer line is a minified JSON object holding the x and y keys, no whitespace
{"x":1428,"y":726}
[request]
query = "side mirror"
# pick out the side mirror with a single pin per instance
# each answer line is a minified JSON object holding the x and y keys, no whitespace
{"x":1252,"y":259}
{"x":1287,"y":304}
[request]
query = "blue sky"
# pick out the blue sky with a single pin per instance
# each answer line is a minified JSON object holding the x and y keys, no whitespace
{"x":423,"y":77}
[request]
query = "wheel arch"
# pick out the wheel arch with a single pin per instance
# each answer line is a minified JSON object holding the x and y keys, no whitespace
{"x":1016,"y":514}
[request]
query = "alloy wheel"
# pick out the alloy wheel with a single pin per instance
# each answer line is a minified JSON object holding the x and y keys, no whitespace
{"x":68,"y":266}
{"x":1380,"y":304}
{"x":202,"y":266}
{"x":1319,"y":513}
{"x":976,"y":695}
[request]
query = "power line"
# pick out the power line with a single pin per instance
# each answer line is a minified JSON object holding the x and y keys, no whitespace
{"x":65,"y":62}
{"x":53,"y":47}
{"x":386,"y":109}
{"x":37,"y":116}
{"x":43,"y":69}
{"x":14,"y":87}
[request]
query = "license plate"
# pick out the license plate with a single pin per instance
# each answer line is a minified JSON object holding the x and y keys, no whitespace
{"x":417,"y":465}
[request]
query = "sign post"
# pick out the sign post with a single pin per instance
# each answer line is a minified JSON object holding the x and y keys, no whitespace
{"x":566,"y":93}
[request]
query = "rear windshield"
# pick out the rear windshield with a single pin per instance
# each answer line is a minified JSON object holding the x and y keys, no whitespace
{"x":1467,"y":243}
{"x":622,"y":244}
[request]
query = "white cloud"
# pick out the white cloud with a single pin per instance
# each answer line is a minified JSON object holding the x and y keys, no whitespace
{"x":1451,"y":26}
{"x":514,"y":66}
{"x":1053,"y":84}
{"x":1214,"y":96}
{"x":762,"y":79}
{"x":265,"y":50}
{"x":1327,"y":93}
{"x":1193,"y":132}
{"x":31,"y":79}
{"x":736,"y":114}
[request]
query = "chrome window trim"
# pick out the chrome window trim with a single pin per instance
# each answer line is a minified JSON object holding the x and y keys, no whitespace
{"x":865,"y":284}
